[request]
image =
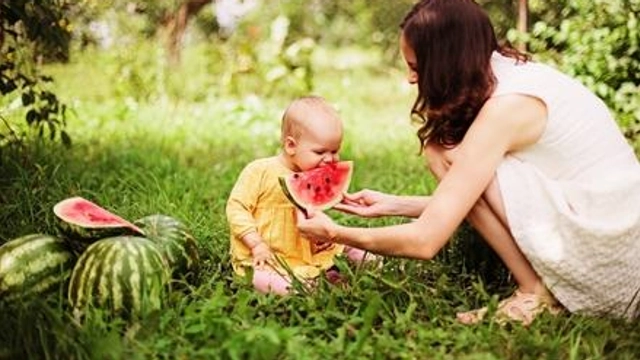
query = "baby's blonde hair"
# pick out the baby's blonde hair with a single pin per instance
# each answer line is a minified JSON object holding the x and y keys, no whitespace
{"x":296,"y":114}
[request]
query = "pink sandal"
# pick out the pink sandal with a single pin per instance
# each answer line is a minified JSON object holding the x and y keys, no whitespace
{"x":519,"y":307}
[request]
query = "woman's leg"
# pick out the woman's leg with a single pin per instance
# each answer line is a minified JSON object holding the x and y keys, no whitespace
{"x":488,"y":217}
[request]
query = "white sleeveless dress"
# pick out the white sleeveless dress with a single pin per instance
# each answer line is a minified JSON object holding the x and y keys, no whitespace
{"x":572,"y":200}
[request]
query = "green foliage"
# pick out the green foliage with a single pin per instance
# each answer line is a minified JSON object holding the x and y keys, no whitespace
{"x":43,"y":111}
{"x":42,"y":27}
{"x":42,"y":24}
{"x":152,"y":140}
{"x":598,"y":42}
{"x":182,"y":157}
{"x":267,"y":58}
{"x":338,"y":23}
{"x":503,"y":13}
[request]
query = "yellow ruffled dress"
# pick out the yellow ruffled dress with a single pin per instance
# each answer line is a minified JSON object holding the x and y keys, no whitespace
{"x":257,"y":203}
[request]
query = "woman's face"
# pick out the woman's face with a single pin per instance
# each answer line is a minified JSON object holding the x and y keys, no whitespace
{"x":410,"y":59}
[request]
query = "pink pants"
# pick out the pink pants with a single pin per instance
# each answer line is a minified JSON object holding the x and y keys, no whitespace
{"x":269,"y":281}
{"x":359,"y":256}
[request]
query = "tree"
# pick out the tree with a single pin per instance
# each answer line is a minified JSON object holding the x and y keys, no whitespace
{"x":175,"y":24}
{"x":523,"y":15}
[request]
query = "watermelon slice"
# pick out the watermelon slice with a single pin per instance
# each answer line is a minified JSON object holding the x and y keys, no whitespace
{"x":320,"y":188}
{"x":81,"y":219}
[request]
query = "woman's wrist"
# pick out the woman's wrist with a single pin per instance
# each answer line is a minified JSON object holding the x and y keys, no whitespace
{"x":332,"y":232}
{"x":393,"y":207}
{"x":409,"y":206}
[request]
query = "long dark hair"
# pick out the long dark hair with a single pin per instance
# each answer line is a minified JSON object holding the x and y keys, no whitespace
{"x":453,"y":41}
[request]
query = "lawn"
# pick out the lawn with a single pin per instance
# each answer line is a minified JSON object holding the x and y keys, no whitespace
{"x":180,"y":156}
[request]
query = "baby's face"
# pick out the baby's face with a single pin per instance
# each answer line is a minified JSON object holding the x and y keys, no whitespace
{"x":319,"y":144}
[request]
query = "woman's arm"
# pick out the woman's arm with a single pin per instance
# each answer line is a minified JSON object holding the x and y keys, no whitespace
{"x":504,"y":124}
{"x":370,"y":203}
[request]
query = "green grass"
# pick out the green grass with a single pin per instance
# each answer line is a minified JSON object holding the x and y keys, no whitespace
{"x":181,"y":157}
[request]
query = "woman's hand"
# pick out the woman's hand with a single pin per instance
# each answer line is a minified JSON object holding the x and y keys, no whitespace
{"x":316,"y":226}
{"x":262,"y":255}
{"x":367,"y":203}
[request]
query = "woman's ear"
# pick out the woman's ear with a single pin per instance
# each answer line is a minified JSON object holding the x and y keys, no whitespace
{"x":290,"y":145}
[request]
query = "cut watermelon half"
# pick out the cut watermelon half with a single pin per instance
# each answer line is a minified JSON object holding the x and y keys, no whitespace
{"x":320,"y":188}
{"x":81,"y":219}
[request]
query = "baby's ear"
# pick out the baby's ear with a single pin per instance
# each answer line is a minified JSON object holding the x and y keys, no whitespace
{"x":290,"y":145}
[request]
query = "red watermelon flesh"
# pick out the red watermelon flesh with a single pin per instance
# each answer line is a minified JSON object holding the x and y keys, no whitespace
{"x":88,"y":215}
{"x":320,"y":188}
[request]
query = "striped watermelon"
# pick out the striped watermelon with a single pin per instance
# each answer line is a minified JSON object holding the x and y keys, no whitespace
{"x":83,"y":221}
{"x":178,"y":246}
{"x":34,"y":265}
{"x":123,"y":275}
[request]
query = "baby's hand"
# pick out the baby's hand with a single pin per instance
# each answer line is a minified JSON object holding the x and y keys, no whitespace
{"x":262,"y":255}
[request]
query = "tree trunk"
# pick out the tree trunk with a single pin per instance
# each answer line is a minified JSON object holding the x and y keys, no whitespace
{"x":523,"y":14}
{"x":175,"y":25}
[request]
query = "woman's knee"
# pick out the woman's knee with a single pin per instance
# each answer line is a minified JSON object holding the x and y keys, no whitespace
{"x":490,"y":203}
{"x":493,"y":198}
{"x":439,"y":160}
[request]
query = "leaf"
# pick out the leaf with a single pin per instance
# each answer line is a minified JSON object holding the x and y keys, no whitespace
{"x":369,"y":315}
{"x":52,"y":130}
{"x":32,"y":116}
{"x":66,"y":139}
{"x":195,"y":328}
{"x":8,"y":86}
{"x":27,"y":98}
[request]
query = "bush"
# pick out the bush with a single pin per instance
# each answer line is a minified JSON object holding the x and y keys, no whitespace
{"x":598,"y":42}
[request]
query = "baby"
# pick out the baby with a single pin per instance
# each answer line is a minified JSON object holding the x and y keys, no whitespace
{"x":262,"y":220}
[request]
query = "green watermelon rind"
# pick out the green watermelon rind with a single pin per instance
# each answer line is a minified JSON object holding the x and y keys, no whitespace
{"x":34,"y":265}
{"x":178,"y":246}
{"x":283,"y":184}
{"x":282,"y":180}
{"x":125,"y":276}
{"x":88,"y":235}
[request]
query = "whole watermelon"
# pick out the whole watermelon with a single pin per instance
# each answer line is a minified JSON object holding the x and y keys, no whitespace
{"x":177,"y":245}
{"x":34,"y":265}
{"x":124,"y":276}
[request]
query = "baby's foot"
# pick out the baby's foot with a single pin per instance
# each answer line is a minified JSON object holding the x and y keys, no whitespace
{"x":359,"y":256}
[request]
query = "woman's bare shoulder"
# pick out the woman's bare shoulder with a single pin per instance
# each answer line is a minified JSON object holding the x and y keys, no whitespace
{"x":521,"y":118}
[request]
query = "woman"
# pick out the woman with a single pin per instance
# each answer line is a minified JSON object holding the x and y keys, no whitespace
{"x":530,"y":157}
